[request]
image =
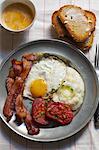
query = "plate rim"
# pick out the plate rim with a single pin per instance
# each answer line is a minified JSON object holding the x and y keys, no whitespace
{"x":82,"y":55}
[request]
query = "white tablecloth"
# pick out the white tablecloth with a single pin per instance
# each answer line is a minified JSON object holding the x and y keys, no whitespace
{"x":88,"y":138}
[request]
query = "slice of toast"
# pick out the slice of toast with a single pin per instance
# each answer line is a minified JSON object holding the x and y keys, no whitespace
{"x":62,"y":32}
{"x":57,"y":24}
{"x":91,"y":19}
{"x":75,"y":22}
{"x":85,"y":46}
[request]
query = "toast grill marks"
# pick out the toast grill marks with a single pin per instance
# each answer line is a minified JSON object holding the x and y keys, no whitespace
{"x":24,"y":116}
{"x":75,"y":21}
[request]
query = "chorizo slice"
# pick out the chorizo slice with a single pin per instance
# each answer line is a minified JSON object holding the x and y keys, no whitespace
{"x":59,"y":112}
{"x":38,"y":111}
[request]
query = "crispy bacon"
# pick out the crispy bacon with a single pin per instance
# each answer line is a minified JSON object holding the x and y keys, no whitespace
{"x":38,"y":111}
{"x":32,"y":129}
{"x":24,"y":115}
{"x":20,"y":109}
{"x":11,"y":73}
{"x":9,"y":84}
{"x":30,"y":57}
{"x":26,"y":68}
{"x":17,"y":67}
{"x":15,"y":84}
{"x":17,"y":88}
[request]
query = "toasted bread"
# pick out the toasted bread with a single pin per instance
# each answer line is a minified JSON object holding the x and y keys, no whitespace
{"x":75,"y":22}
{"x":62,"y":32}
{"x":85,"y":46}
{"x":91,"y":19}
{"x":57,"y":24}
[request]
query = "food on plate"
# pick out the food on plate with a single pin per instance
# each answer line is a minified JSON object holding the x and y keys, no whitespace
{"x":70,"y":31}
{"x":48,"y":82}
{"x":71,"y":91}
{"x":38,"y":111}
{"x":17,"y":16}
{"x":21,"y":111}
{"x":24,"y":115}
{"x":14,"y":100}
{"x":16,"y":88}
{"x":17,"y":67}
{"x":48,"y":73}
{"x":9,"y":83}
{"x":59,"y":112}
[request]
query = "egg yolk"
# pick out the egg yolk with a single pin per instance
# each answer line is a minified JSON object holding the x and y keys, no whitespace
{"x":38,"y":88}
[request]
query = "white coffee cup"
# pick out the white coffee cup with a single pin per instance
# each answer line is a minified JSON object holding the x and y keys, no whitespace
{"x":6,"y":3}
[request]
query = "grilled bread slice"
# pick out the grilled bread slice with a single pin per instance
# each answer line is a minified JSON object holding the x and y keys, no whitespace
{"x":85,"y":46}
{"x":57,"y":24}
{"x":75,"y":22}
{"x":91,"y":19}
{"x":60,"y":28}
{"x":62,"y":32}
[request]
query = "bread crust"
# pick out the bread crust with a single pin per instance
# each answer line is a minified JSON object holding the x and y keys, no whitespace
{"x":63,"y":33}
{"x":91,"y":18}
{"x":59,"y":27}
{"x":75,"y":21}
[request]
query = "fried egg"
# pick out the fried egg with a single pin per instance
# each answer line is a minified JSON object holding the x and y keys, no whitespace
{"x":44,"y":76}
{"x":71,"y":91}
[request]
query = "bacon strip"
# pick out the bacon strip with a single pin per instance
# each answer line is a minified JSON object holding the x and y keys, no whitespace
{"x":32,"y":130}
{"x":24,"y":115}
{"x":30,"y":57}
{"x":17,"y":67}
{"x":26,"y":68}
{"x":20,"y":109}
{"x":17,"y":87}
{"x":9,"y":83}
{"x":11,"y":73}
{"x":14,"y":100}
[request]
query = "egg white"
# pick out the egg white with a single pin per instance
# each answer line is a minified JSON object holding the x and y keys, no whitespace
{"x":72,"y":90}
{"x":51,"y":70}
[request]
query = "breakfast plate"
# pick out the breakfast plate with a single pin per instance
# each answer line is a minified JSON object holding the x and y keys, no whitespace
{"x":79,"y":61}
